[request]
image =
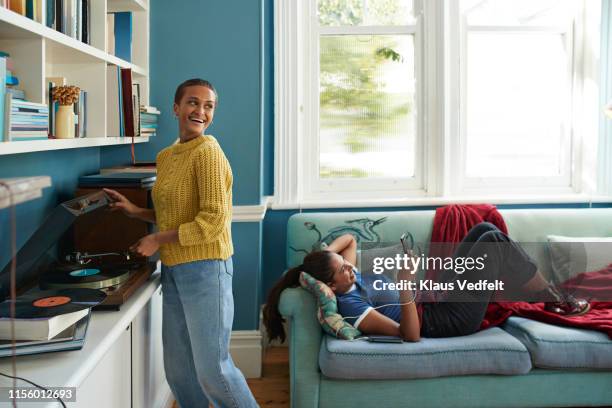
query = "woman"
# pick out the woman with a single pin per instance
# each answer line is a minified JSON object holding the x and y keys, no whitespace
{"x":192,"y":198}
{"x":395,"y":313}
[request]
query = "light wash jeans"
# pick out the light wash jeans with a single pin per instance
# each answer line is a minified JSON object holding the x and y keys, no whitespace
{"x":198,"y":310}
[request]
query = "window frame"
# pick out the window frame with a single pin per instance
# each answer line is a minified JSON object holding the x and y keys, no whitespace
{"x":566,"y":183}
{"x":438,"y":96}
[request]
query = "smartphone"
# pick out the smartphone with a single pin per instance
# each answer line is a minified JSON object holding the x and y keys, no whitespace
{"x":403,"y":239}
{"x":384,"y":339}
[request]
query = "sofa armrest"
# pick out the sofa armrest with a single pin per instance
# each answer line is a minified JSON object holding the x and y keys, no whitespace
{"x":305,"y":335}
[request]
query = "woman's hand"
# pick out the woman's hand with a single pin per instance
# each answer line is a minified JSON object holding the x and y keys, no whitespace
{"x":120,"y":202}
{"x":146,"y":246}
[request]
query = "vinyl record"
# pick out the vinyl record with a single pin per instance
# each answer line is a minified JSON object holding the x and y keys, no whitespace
{"x":50,"y":303}
{"x":84,"y":276}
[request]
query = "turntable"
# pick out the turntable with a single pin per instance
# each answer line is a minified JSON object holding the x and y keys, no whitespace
{"x":118,"y":274}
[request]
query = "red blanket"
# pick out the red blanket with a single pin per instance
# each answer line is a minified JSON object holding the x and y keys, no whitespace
{"x":453,"y":222}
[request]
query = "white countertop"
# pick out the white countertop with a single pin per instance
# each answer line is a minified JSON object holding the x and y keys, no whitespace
{"x":70,"y":368}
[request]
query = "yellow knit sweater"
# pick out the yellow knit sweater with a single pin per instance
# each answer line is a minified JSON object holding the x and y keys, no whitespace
{"x":193,"y":193}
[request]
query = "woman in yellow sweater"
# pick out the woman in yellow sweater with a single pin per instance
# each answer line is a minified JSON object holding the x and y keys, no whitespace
{"x":193,"y":211}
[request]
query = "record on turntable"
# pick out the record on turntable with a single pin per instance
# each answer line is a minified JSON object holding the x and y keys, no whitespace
{"x":84,"y":276}
{"x":50,"y":303}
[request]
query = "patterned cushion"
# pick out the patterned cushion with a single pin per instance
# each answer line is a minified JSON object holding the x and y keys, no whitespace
{"x":327,"y":309}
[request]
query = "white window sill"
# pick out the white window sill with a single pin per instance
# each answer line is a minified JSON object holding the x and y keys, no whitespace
{"x":436,"y":201}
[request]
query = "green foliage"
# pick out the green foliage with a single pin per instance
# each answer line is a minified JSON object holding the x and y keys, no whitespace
{"x":352,"y":88}
{"x":355,"y":102}
{"x":354,"y":172}
{"x":389,"y":53}
{"x":340,"y":12}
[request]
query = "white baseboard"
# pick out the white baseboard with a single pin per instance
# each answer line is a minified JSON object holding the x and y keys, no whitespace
{"x":247,"y":350}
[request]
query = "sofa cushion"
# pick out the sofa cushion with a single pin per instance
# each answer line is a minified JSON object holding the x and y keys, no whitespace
{"x":490,"y":351}
{"x":553,"y":346}
{"x":327,"y":309}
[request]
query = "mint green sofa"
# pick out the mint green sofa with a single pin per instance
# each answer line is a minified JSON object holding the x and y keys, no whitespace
{"x":555,"y":385}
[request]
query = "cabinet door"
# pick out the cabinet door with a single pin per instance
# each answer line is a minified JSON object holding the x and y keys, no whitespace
{"x":149,"y":385}
{"x":109,"y":384}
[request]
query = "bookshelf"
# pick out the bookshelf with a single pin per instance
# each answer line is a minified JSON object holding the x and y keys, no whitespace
{"x":39,"y":52}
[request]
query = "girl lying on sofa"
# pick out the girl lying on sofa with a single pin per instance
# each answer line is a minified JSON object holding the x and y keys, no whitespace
{"x":397,"y":313}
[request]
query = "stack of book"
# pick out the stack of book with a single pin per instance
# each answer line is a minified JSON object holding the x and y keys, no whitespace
{"x":148,"y":120}
{"x":25,"y":120}
{"x":34,"y":336}
{"x":71,"y":17}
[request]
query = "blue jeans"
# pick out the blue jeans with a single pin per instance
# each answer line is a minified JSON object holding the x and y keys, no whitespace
{"x":198,"y":310}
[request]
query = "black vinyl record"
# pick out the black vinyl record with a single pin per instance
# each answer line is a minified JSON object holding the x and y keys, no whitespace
{"x":84,"y":276}
{"x":50,"y":303}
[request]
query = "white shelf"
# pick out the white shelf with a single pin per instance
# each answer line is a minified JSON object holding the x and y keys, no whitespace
{"x":59,"y":144}
{"x":22,"y":189}
{"x":40,"y":52}
{"x":127,"y":5}
{"x":16,"y":26}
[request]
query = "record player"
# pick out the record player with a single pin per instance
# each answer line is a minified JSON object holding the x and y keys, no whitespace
{"x":118,"y":274}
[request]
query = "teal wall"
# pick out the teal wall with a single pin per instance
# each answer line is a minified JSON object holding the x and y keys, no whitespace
{"x":220,"y":42}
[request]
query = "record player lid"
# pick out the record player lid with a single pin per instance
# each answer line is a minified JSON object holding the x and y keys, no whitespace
{"x":55,"y":225}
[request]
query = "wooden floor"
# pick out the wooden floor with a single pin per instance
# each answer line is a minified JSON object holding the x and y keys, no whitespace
{"x":272,"y":389}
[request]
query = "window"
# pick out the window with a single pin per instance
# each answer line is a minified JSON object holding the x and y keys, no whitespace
{"x":408,"y":98}
{"x":518,"y":62}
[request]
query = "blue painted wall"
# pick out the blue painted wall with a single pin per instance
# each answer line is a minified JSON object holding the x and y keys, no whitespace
{"x":220,"y":42}
{"x":268,"y":98}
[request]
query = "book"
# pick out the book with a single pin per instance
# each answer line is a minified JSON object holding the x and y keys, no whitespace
{"x":18,"y":6}
{"x":3,"y":97}
{"x":53,"y":105}
{"x":50,"y":14}
{"x":123,"y":35}
{"x":149,"y":109}
{"x":135,"y":105}
{"x":113,"y":100}
{"x":39,"y":328}
{"x":29,"y":13}
{"x":72,"y":338}
{"x":127,"y":102}
{"x":86,"y":21}
{"x":59,"y":15}
{"x":17,"y":93}
{"x":79,"y":19}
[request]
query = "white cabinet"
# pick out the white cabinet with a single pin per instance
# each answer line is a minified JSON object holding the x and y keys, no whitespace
{"x":149,"y":387}
{"x":120,"y":365}
{"x":109,"y":384}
